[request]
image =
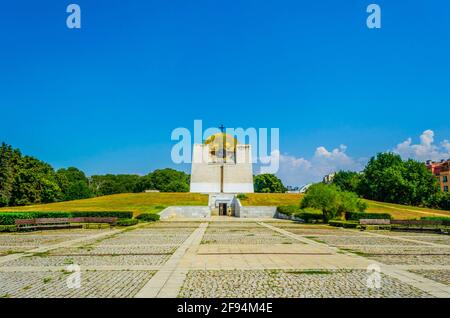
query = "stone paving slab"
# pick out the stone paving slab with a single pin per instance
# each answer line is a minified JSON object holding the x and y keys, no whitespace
{"x":245,"y":238}
{"x":271,"y":257}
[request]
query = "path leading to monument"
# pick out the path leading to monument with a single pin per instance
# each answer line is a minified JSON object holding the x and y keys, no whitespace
{"x":225,"y":257}
{"x":167,"y":282}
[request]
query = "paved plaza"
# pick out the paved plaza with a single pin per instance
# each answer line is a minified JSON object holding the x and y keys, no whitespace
{"x":224,"y":257}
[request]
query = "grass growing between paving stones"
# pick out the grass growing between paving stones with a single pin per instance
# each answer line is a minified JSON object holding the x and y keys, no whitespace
{"x":310,"y":272}
{"x":292,"y":284}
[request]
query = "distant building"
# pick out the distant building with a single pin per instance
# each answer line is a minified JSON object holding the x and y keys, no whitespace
{"x":442,"y":172}
{"x":329,"y":178}
{"x":305,"y":188}
{"x":291,"y":189}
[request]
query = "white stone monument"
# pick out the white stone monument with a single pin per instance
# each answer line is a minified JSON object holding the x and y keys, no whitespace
{"x":221,"y":165}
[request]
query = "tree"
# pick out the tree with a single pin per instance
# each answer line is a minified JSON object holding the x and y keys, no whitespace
{"x":144,"y":183}
{"x":444,"y":202}
{"x":347,"y":180}
{"x":34,"y":182}
{"x":74,"y":184}
{"x":170,"y":180}
{"x":9,"y":160}
{"x":113,"y":184}
{"x":388,"y":178}
{"x":332,"y":201}
{"x":268,"y":183}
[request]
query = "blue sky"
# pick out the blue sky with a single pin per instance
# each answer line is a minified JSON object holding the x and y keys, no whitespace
{"x":106,"y":98}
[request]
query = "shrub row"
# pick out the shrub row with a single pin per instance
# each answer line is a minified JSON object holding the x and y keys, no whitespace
{"x":288,"y":209}
{"x":356,"y":216}
{"x":309,"y":217}
{"x":8,"y":228}
{"x":148,"y":217}
{"x":445,"y":220}
{"x":346,"y":224}
{"x":8,"y":218}
{"x":127,"y":222}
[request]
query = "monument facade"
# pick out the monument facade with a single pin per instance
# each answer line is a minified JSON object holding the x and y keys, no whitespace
{"x":221,"y":165}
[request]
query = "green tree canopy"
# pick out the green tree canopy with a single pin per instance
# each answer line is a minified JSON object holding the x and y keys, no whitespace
{"x":268,"y":183}
{"x":388,"y":178}
{"x":332,"y":201}
{"x":74,"y":184}
{"x":347,"y":180}
{"x":34,"y":182}
{"x":169,"y":180}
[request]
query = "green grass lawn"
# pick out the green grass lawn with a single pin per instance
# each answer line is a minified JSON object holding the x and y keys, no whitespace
{"x":155,"y":202}
{"x":398,"y":211}
{"x":271,"y":199}
{"x":135,"y":202}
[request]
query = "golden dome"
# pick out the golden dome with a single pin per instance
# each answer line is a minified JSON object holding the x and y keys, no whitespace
{"x":216,"y":141}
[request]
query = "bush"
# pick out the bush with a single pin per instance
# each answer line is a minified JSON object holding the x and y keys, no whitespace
{"x":356,"y":216}
{"x":8,"y":218}
{"x":8,"y":228}
{"x":127,"y":222}
{"x":309,"y":217}
{"x":288,"y":209}
{"x":445,"y":220}
{"x":242,"y":196}
{"x":292,"y":210}
{"x":331,"y":201}
{"x":148,"y":217}
{"x":105,"y":214}
{"x":345,"y":224}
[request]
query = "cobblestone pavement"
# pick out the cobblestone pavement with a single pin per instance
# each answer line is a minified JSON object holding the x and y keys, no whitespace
{"x":236,"y":258}
{"x":49,"y":260}
{"x":104,"y":284}
{"x":440,"y":275}
{"x":300,"y":284}
{"x":341,"y":240}
{"x":405,"y":255}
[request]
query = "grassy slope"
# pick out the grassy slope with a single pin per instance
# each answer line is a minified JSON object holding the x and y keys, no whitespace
{"x":154,"y":202}
{"x":396,"y":210}
{"x":136,"y":202}
{"x":271,"y":199}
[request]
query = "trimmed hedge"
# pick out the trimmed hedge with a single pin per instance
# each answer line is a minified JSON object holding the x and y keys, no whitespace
{"x":148,"y":217}
{"x":308,"y":216}
{"x":356,"y":216}
{"x":8,"y":228}
{"x":127,"y":222}
{"x":292,"y":210}
{"x":105,"y":214}
{"x":345,"y":224}
{"x":445,"y":220}
{"x":288,"y":209}
{"x":8,"y":218}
